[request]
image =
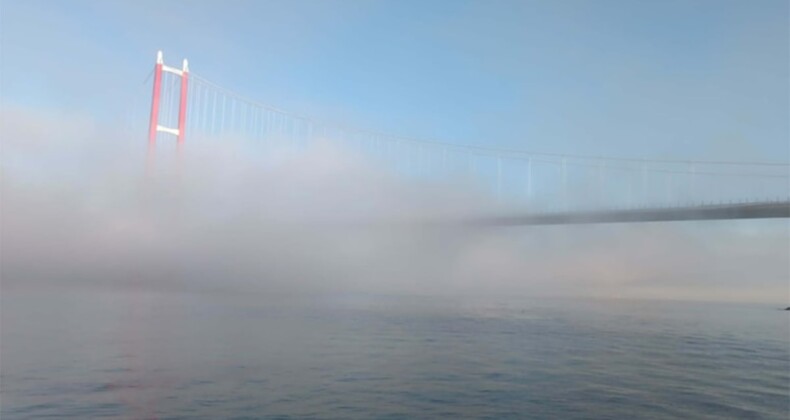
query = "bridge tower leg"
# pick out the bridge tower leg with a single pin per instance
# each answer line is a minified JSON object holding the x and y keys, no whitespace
{"x":155,"y":100}
{"x":182,"y":106}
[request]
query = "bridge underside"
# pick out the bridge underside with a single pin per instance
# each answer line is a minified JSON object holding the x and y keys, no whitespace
{"x":766,"y":210}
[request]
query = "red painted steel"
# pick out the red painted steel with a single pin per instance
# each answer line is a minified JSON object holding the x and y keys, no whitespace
{"x":155,"y":102}
{"x":182,"y":107}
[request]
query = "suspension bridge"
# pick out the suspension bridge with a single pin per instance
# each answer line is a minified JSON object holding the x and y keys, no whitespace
{"x":553,"y":188}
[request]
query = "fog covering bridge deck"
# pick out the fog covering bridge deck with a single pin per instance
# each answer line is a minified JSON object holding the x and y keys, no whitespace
{"x":757,"y":210}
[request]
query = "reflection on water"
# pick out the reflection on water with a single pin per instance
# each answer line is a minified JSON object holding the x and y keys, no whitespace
{"x":217,"y":356}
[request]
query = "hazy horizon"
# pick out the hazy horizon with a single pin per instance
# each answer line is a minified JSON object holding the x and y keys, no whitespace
{"x":216,"y":219}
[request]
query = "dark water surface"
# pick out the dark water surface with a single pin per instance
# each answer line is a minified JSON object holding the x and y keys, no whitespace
{"x":147,"y":355}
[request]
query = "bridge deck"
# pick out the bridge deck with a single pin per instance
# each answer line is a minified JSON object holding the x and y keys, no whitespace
{"x":765,"y":210}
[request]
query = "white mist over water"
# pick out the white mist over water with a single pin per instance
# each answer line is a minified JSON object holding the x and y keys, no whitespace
{"x":80,"y":209}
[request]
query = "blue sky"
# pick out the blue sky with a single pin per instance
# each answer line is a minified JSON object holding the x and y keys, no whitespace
{"x":677,"y":79}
